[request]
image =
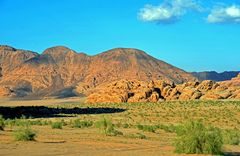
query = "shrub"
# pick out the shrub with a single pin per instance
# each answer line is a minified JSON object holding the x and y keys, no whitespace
{"x":21,"y":122}
{"x":57,"y":125}
{"x":106,"y":127}
{"x":137,"y":135}
{"x":39,"y":122}
{"x":24,"y":134}
{"x":2,"y":124}
{"x":81,"y":124}
{"x":147,"y":128}
{"x":231,"y":137}
{"x":9,"y":122}
{"x":168,"y":128}
{"x":125,"y":125}
{"x":140,"y":136}
{"x":195,"y":138}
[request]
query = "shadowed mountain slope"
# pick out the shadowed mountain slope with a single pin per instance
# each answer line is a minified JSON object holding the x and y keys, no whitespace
{"x":212,"y":75}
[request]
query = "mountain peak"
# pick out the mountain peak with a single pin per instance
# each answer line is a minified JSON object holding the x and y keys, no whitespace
{"x":58,"y":50}
{"x":125,"y":51}
{"x":124,"y":54}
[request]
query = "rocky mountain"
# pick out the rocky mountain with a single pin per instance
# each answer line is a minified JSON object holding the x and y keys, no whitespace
{"x":60,"y":71}
{"x":212,"y":75}
{"x":155,"y":91}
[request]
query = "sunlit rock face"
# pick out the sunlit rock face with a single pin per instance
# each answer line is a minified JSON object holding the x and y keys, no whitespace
{"x":62,"y":70}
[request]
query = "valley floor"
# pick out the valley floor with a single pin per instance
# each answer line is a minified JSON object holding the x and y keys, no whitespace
{"x":88,"y":140}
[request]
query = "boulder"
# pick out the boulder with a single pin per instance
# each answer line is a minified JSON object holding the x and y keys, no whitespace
{"x":211,"y":96}
{"x":196,"y":95}
{"x":206,"y":86}
{"x":154,"y":97}
{"x":174,"y":95}
{"x":190,"y":93}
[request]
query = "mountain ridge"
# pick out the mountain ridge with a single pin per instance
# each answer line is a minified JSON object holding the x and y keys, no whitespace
{"x":215,"y":76}
{"x":59,"y":67}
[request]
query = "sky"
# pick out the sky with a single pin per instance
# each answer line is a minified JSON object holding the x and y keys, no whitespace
{"x":195,"y":35}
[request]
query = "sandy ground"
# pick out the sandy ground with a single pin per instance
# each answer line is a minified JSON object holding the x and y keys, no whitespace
{"x":88,"y":141}
{"x":44,"y":102}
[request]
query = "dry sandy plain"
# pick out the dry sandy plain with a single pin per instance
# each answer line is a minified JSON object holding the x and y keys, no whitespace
{"x":89,"y":141}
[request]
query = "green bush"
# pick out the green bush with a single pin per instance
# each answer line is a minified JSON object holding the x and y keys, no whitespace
{"x":169,"y":128}
{"x":140,"y":136}
{"x":106,"y":127}
{"x":21,"y":122}
{"x":81,"y":124}
{"x":126,"y":125}
{"x":137,"y":135}
{"x":9,"y":122}
{"x":39,"y":122}
{"x":195,"y":138}
{"x":2,"y":124}
{"x":231,"y":137}
{"x":24,"y":134}
{"x":57,"y":125}
{"x":147,"y":128}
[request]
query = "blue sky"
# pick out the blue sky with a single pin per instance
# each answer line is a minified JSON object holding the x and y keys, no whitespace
{"x":195,"y":35}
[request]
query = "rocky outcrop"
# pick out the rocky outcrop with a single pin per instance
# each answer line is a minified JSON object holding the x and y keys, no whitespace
{"x":5,"y":92}
{"x":154,"y":91}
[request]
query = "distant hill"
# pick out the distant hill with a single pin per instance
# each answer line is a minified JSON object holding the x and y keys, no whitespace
{"x":59,"y":70}
{"x":212,"y":75}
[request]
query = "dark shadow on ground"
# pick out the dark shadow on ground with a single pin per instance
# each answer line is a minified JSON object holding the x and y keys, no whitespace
{"x":231,"y":154}
{"x":46,"y":112}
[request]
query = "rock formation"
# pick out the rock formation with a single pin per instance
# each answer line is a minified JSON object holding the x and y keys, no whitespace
{"x":154,"y":91}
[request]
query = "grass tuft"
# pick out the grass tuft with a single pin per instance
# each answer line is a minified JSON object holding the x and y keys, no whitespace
{"x":81,"y":124}
{"x":194,"y":138}
{"x":231,"y":137}
{"x":107,"y":127}
{"x":147,"y":128}
{"x":57,"y":125}
{"x":2,"y":124}
{"x":24,"y":134}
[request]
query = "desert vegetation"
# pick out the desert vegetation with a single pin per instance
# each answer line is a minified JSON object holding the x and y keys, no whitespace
{"x":201,"y":127}
{"x":57,"y":125}
{"x":24,"y":134}
{"x":195,"y":138}
{"x":107,"y":127}
{"x":2,"y":124}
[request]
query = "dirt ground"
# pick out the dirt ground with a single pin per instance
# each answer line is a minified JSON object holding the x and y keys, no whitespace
{"x":69,"y":141}
{"x":89,"y":142}
{"x":44,"y":102}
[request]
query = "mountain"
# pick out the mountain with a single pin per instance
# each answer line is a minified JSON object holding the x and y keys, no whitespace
{"x":212,"y":75}
{"x":60,"y":71}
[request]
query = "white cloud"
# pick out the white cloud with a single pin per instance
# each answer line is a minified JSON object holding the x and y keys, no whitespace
{"x":221,"y":14}
{"x":168,"y":12}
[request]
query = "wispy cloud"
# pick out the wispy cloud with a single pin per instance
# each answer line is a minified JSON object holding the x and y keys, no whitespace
{"x":168,"y":11}
{"x":225,"y":14}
